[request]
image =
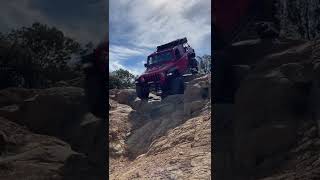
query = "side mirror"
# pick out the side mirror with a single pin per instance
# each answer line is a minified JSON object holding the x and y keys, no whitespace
{"x":146,"y":65}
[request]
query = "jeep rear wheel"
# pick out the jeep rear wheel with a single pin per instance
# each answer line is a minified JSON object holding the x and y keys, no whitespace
{"x":193,"y":65}
{"x":177,"y":85}
{"x":142,"y":91}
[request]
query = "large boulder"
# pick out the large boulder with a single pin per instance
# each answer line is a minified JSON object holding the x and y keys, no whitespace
{"x":61,"y":84}
{"x":88,"y":137}
{"x":267,"y":106}
{"x":196,"y":91}
{"x":113,"y":92}
{"x":139,"y":142}
{"x":53,"y":111}
{"x":25,"y":155}
{"x":173,"y":99}
{"x":12,"y":96}
{"x":193,"y":107}
{"x":298,"y":52}
{"x":260,"y":48}
{"x":144,"y":106}
{"x":80,"y":167}
{"x":138,"y":103}
{"x":157,"y":108}
{"x":10,"y":112}
{"x":126,"y":96}
{"x":119,"y":126}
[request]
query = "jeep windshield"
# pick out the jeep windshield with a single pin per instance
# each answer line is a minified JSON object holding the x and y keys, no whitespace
{"x":160,"y":58}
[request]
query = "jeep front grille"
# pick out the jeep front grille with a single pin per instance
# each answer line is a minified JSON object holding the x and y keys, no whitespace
{"x":152,"y":77}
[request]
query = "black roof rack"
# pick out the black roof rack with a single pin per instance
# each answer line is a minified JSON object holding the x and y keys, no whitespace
{"x":172,"y":44}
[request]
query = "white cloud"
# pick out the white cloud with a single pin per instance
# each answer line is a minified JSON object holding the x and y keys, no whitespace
{"x":160,"y":21}
{"x":114,"y":65}
{"x":140,"y":24}
{"x":118,"y":54}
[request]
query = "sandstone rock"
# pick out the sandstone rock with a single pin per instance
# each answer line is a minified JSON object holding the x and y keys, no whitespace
{"x":311,"y":133}
{"x":79,"y":166}
{"x":199,"y":78}
{"x":153,"y":133}
{"x":192,"y":107}
{"x":54,"y":110}
{"x":138,"y":103}
{"x":76,"y":82}
{"x":259,"y":49}
{"x":61,"y":84}
{"x":240,"y":71}
{"x":225,"y":114}
{"x":196,"y":92}
{"x":126,"y":96}
{"x":116,"y":149}
{"x":10,"y":112}
{"x":170,"y":149}
{"x":297,"y":52}
{"x":296,"y":72}
{"x":259,"y":102}
{"x":31,"y":156}
{"x":121,"y":119}
{"x":161,"y":110}
{"x":266,"y":30}
{"x":89,"y":137}
{"x":62,"y":112}
{"x":174,"y":99}
{"x":273,"y":138}
{"x":113,"y":91}
{"x":12,"y":96}
{"x":147,"y":107}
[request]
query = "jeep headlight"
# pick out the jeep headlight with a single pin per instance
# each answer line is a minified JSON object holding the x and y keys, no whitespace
{"x":169,"y":73}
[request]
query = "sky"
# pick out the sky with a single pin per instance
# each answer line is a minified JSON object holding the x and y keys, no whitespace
{"x":136,"y":27}
{"x":84,"y":20}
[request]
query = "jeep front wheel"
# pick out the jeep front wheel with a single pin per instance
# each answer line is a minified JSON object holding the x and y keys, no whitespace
{"x":177,"y":85}
{"x":142,"y":92}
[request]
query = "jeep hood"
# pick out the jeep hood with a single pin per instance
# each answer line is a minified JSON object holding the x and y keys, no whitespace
{"x":159,"y":68}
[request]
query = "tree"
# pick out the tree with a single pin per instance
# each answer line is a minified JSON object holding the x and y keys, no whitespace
{"x":114,"y":82}
{"x":48,"y":44}
{"x":204,"y":63}
{"x":39,"y":53}
{"x":121,"y":79}
{"x":207,"y":63}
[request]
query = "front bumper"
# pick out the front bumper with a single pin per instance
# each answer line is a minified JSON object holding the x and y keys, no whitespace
{"x":154,"y":86}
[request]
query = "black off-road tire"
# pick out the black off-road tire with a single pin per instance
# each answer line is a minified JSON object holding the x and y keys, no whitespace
{"x":177,"y":85}
{"x":142,"y":92}
{"x":193,"y":66}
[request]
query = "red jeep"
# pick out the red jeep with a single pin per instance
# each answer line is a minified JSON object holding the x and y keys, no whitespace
{"x":165,"y":69}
